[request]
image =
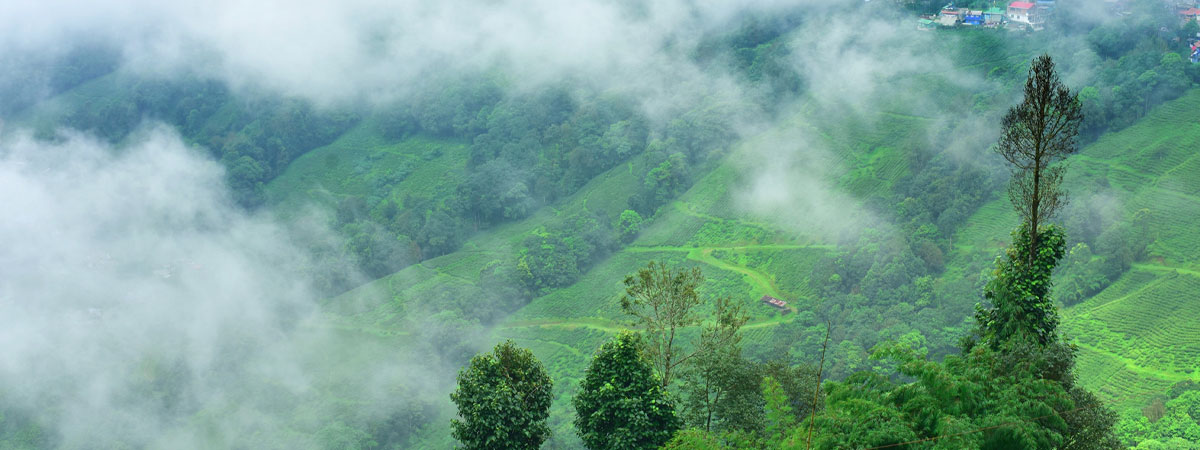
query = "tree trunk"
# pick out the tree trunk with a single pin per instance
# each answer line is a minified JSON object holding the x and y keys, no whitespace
{"x":1034,"y":206}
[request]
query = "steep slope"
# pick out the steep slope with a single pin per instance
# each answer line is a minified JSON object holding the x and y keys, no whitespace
{"x":1142,"y":333}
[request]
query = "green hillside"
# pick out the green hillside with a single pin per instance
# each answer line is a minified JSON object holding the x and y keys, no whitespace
{"x":1142,"y":334}
{"x":742,"y":256}
{"x":1138,"y":336}
{"x":1133,"y":336}
{"x":362,"y":159}
{"x":479,"y":210}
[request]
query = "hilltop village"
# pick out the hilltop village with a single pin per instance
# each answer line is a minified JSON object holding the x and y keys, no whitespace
{"x":1019,"y":15}
{"x":1033,"y":15}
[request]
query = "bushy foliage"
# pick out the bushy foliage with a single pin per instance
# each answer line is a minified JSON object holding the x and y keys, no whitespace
{"x":621,"y":404}
{"x":556,"y":256}
{"x":1021,"y":306}
{"x":503,"y":400}
{"x":1167,"y":422}
{"x":721,"y":392}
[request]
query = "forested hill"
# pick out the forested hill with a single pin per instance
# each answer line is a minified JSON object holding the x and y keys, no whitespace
{"x":848,"y":174}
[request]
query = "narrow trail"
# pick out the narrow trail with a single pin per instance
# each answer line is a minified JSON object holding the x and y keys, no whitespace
{"x":568,"y":348}
{"x":762,"y":280}
{"x":595,"y":323}
{"x":702,"y":254}
{"x":612,"y":326}
{"x":672,"y":248}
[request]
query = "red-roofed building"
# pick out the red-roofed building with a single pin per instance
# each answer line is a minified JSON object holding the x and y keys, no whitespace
{"x":776,"y":303}
{"x":1021,"y":12}
{"x":1189,"y":14}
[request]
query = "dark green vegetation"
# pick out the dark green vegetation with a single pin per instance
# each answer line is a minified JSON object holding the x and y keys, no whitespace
{"x":621,"y":403}
{"x":503,"y":399}
{"x":484,"y":214}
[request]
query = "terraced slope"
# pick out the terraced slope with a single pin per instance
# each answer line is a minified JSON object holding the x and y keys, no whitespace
{"x":1142,"y":333}
{"x":361,"y":159}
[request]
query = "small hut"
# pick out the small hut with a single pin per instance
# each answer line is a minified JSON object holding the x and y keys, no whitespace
{"x":776,"y":303}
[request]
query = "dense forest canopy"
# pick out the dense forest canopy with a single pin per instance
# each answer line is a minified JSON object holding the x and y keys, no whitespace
{"x":290,"y":226}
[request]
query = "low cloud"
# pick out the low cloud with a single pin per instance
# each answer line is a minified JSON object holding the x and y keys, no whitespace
{"x":134,"y":294}
{"x":791,"y":181}
{"x":371,"y":50}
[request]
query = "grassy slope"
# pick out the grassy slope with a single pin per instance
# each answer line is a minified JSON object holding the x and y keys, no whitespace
{"x":741,"y":256}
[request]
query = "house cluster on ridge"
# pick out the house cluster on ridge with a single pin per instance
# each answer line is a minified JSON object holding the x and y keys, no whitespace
{"x":1018,"y":15}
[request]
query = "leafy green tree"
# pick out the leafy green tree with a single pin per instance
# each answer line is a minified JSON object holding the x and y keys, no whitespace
{"x":662,"y":182}
{"x":503,"y":400}
{"x":720,"y":388}
{"x":1080,"y":276}
{"x":1189,"y":30}
{"x":629,"y":225}
{"x":621,"y":404}
{"x":1090,"y":422}
{"x":1164,"y":424}
{"x":1036,"y":135}
{"x":1172,"y":77}
{"x":799,"y":383}
{"x":978,"y":390}
{"x":559,"y":254}
{"x":695,"y":439}
{"x":1020,"y":294}
{"x":342,"y":436}
{"x":779,"y":420}
{"x":663,"y":301}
